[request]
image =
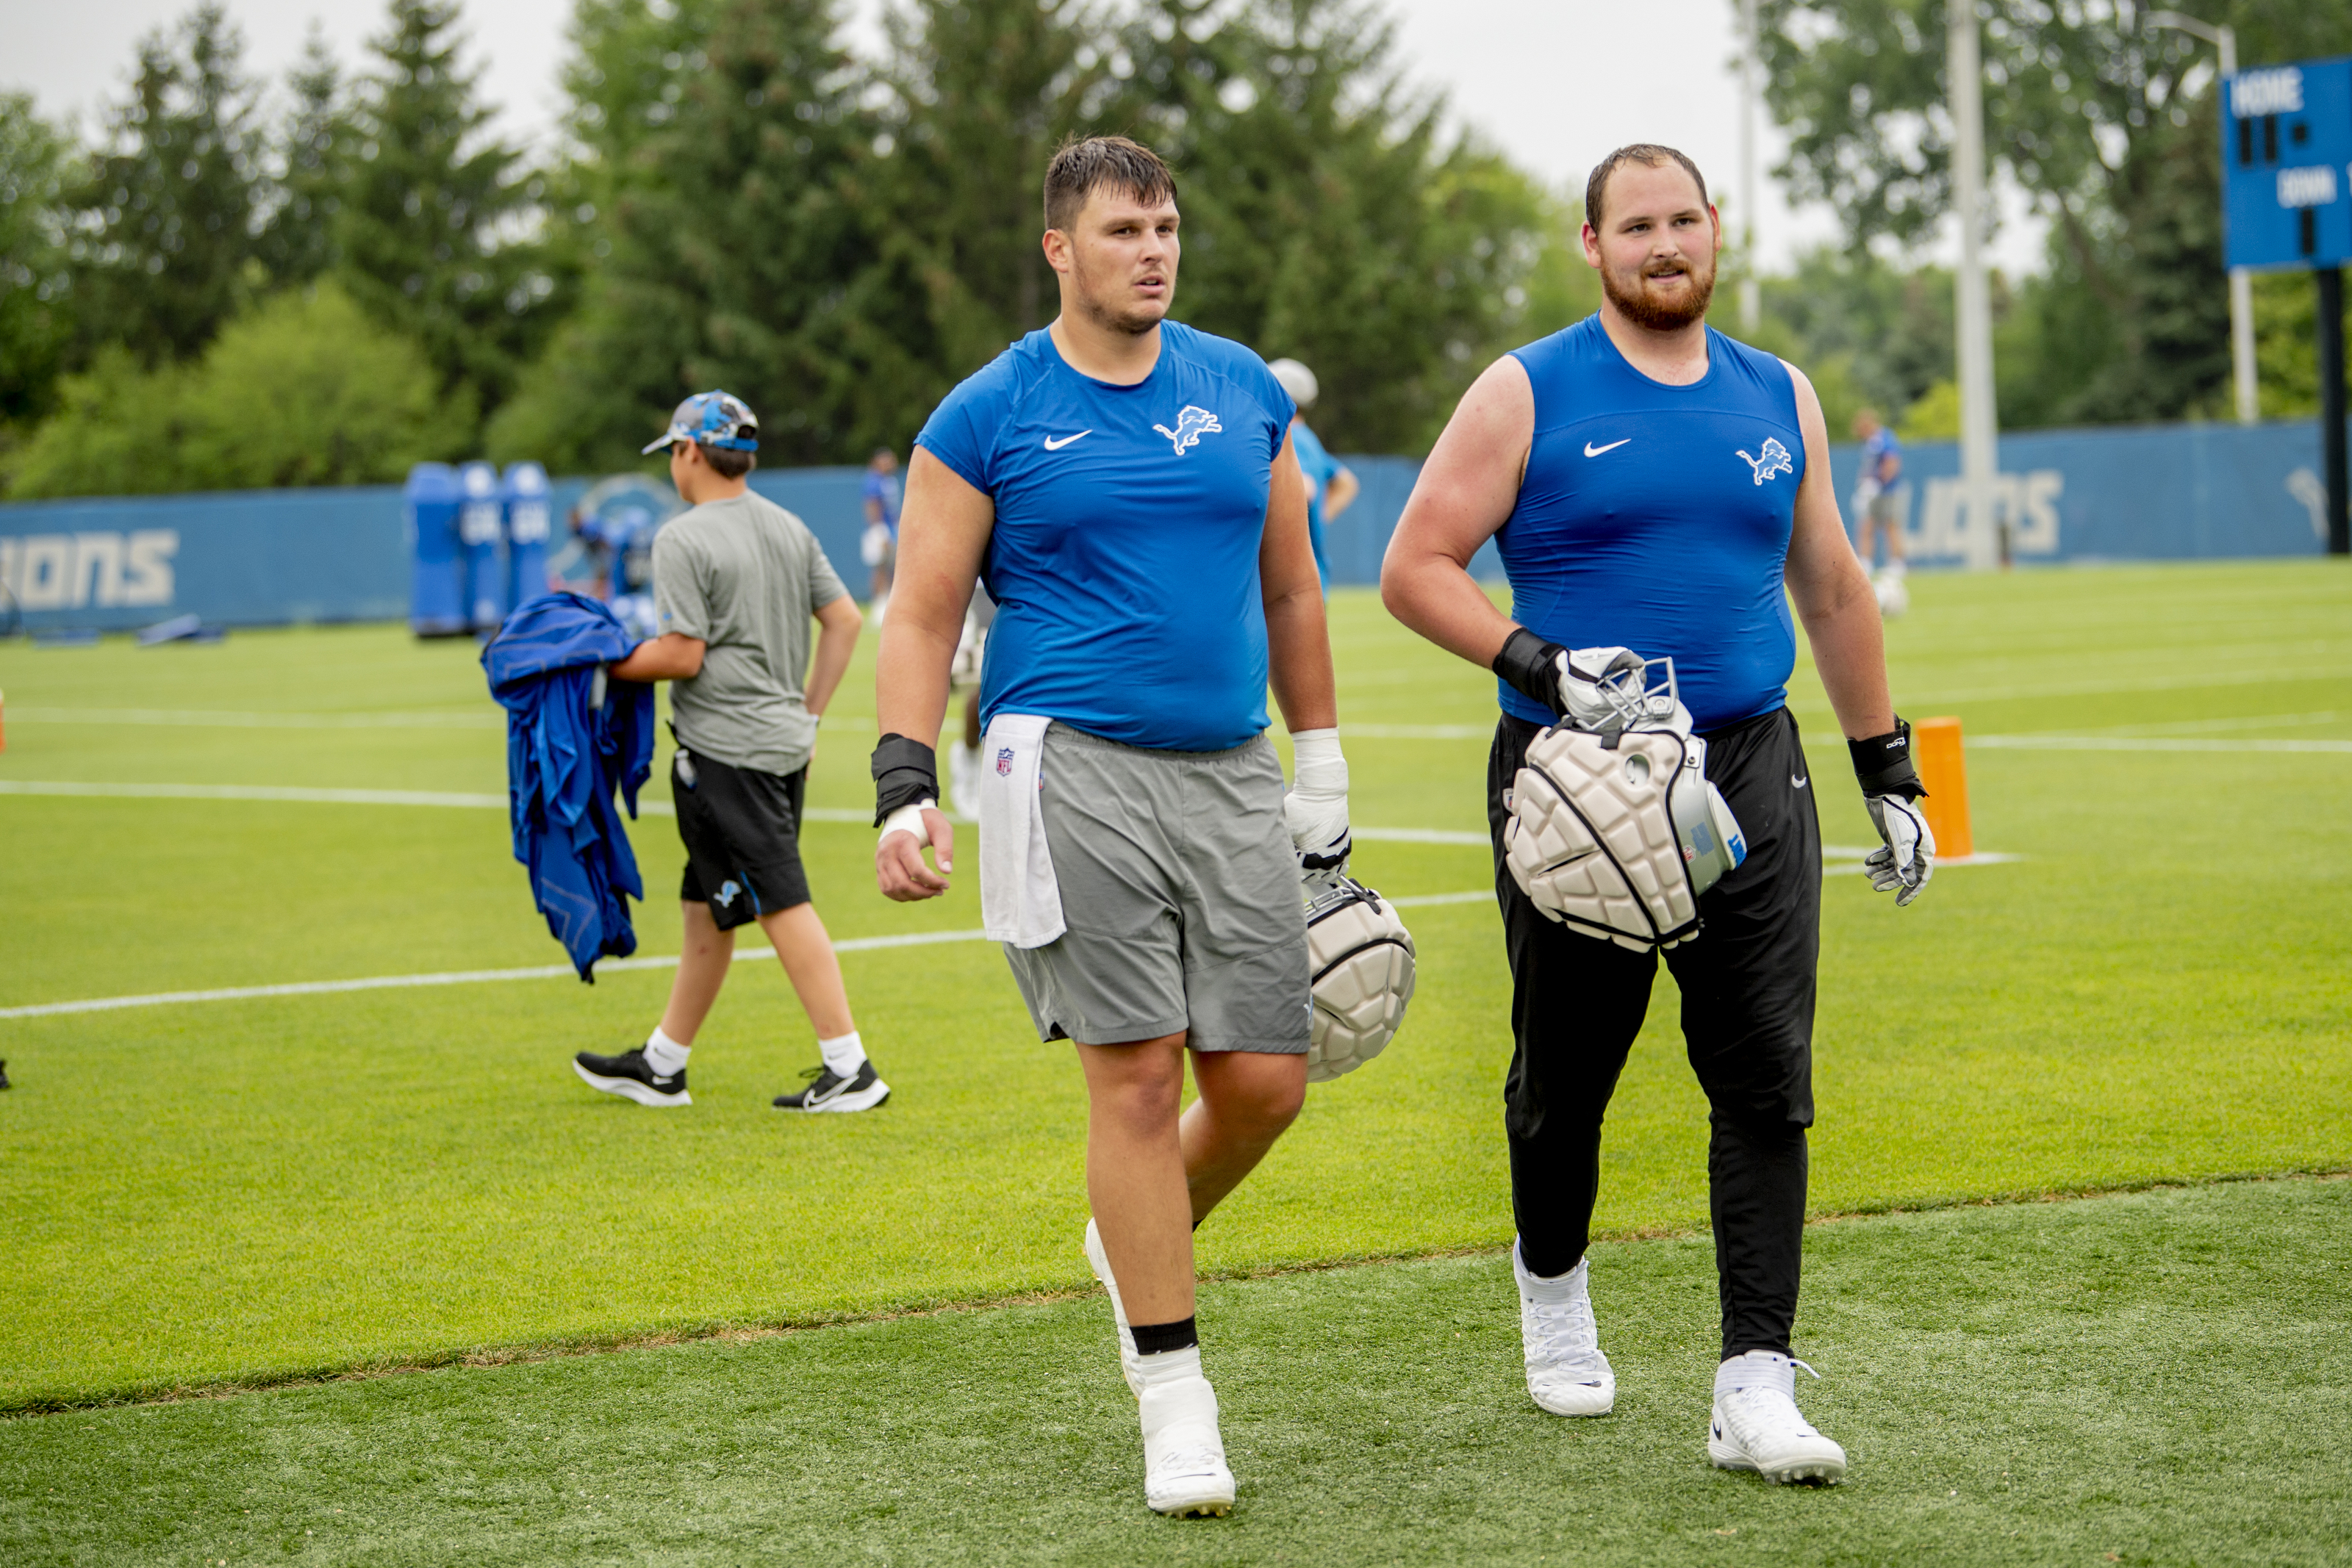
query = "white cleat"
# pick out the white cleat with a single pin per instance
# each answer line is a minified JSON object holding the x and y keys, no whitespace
{"x":1567,"y":1373}
{"x":1184,"y":1470}
{"x":1130,"y":1361}
{"x":1759,"y":1428}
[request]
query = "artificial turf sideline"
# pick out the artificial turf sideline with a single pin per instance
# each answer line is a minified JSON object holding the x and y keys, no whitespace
{"x":559,"y":1347}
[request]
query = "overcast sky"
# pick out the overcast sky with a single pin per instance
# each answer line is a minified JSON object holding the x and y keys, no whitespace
{"x":1555,"y":83}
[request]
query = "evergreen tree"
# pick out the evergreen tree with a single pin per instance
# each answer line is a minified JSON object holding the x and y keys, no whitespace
{"x":735,"y":256}
{"x":167,"y":215}
{"x":35,"y":292}
{"x":298,"y":240}
{"x":1324,"y":216}
{"x":431,"y":206}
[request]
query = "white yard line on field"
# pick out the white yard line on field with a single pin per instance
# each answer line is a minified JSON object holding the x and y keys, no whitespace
{"x":202,"y":718}
{"x":543,"y":971}
{"x":304,"y":795}
{"x":742,"y":955}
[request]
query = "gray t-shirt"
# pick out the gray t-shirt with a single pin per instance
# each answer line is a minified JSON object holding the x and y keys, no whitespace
{"x":745,"y":576}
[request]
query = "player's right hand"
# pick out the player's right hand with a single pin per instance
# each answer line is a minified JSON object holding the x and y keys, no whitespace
{"x":898,"y":868}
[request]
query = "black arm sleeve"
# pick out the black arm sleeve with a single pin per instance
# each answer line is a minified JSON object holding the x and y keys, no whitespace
{"x":1883,"y":764}
{"x":1531,"y":665}
{"x":905,"y":772}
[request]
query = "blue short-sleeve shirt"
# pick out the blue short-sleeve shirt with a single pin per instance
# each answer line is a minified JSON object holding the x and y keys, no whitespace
{"x":1124,"y":559}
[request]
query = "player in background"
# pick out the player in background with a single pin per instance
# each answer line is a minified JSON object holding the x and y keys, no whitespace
{"x":736,"y":579}
{"x":877,"y":546}
{"x":1332,"y":487}
{"x":963,"y":761}
{"x":1128,"y":486}
{"x":1654,"y":485}
{"x":1878,"y":495}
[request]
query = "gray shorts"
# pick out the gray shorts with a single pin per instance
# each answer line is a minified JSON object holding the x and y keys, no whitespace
{"x":1180,"y":890}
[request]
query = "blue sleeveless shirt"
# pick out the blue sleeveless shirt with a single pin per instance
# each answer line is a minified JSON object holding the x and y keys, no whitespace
{"x":1656,"y":517}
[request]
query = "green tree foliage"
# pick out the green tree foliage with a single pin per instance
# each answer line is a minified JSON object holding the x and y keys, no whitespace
{"x":164,"y":222}
{"x":431,"y":232}
{"x":297,"y":241}
{"x":36,"y":322}
{"x":1325,"y":215}
{"x":304,"y":391}
{"x":733,"y":247}
{"x":2108,"y":125}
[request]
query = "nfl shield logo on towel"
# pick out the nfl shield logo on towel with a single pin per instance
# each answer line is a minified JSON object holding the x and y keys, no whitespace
{"x":1004,"y":763}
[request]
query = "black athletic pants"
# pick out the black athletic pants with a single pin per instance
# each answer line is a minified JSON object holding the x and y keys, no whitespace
{"x":1577,"y":1002}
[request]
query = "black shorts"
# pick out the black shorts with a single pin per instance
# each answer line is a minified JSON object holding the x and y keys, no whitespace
{"x":742,"y":833}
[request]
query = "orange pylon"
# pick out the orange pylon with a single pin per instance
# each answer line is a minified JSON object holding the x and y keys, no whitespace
{"x":1936,"y":746}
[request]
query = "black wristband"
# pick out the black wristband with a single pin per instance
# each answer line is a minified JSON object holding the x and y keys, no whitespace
{"x":1883,"y":764}
{"x":905,"y":772}
{"x":1531,"y":665}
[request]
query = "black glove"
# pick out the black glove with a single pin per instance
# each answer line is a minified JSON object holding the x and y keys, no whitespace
{"x":905,"y":772}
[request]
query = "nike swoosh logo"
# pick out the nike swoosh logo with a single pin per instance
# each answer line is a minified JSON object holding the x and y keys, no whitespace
{"x":1592,"y":450}
{"x":1054,"y":446}
{"x":1798,"y":779}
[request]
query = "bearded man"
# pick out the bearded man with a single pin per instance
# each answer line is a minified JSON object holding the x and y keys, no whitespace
{"x":1652,"y":485}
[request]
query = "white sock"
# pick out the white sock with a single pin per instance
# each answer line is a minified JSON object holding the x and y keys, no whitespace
{"x":665,"y":1055}
{"x":844,"y":1054}
{"x":1553,"y":1287}
{"x":1170,"y":1365}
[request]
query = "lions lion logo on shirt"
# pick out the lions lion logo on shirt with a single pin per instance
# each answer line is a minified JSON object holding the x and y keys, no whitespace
{"x":1191,"y":425}
{"x":1775,"y":459}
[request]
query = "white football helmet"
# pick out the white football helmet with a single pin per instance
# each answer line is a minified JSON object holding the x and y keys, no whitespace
{"x":1361,"y":958}
{"x":1617,"y":832}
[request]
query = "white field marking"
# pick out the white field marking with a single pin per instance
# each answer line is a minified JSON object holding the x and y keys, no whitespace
{"x":2207,"y":726}
{"x":2147,"y":743}
{"x":205,"y":719}
{"x":303,"y":795}
{"x":1419,"y":836}
{"x":1422,"y":900}
{"x":1916,"y":701}
{"x":1418,"y":731}
{"x":450,"y":978}
{"x":1982,"y":857}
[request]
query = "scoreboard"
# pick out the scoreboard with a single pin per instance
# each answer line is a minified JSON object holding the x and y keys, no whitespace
{"x":2287,"y":165}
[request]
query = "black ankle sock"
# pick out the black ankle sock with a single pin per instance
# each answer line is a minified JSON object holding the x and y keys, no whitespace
{"x":1155,"y":1339}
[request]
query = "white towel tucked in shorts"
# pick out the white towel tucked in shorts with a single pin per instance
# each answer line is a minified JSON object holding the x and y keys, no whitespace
{"x":1020,"y":901}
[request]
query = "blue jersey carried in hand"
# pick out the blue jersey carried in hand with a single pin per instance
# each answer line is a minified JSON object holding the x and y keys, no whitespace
{"x":1657,"y":518}
{"x":1124,"y":559}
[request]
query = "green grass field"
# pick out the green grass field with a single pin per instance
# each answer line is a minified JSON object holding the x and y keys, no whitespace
{"x":206,"y":1194}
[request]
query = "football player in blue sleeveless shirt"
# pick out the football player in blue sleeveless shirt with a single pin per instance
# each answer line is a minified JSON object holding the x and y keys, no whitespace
{"x":1652,"y":485}
{"x":1126,"y":488}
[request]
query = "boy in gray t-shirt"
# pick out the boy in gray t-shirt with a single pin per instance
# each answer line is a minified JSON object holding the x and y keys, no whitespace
{"x":736,"y":580}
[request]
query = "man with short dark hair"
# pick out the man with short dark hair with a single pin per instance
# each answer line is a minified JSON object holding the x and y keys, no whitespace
{"x":1652,"y":485}
{"x":1128,"y":488}
{"x":736,"y":579}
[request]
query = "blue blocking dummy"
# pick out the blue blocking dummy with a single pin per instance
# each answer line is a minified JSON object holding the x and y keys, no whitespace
{"x":528,"y":528}
{"x":437,"y":602}
{"x":574,"y":738}
{"x":481,"y":526}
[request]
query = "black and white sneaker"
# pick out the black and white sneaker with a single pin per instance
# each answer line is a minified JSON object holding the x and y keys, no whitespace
{"x":828,"y":1090}
{"x":632,"y":1077}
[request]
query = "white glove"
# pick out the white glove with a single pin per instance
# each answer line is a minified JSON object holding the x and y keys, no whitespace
{"x":1316,"y":809}
{"x":1865,"y":491}
{"x":1581,"y":673}
{"x":1908,"y":859}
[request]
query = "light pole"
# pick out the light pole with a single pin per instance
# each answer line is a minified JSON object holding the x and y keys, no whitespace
{"x":1750,"y":290}
{"x":2242,"y":288}
{"x":1979,"y":462}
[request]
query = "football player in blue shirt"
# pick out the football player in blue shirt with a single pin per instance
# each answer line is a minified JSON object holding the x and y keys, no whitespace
{"x":1654,"y":485}
{"x":1126,"y":488}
